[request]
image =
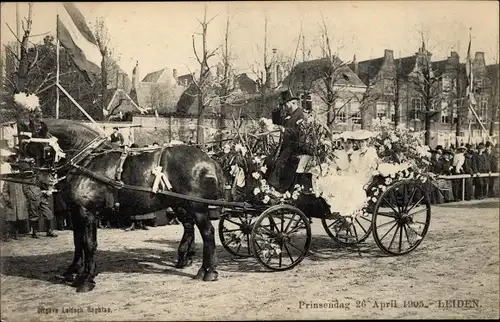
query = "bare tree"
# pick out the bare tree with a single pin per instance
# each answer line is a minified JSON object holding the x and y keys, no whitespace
{"x":333,"y":87}
{"x":226,"y":79}
{"x":494,"y":98}
{"x":263,"y":70}
{"x":25,"y":62}
{"x":427,"y":86}
{"x":203,"y":85}
{"x":108,"y":54}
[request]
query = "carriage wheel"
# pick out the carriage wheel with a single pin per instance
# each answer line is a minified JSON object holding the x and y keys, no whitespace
{"x":401,"y":217}
{"x":234,"y":233}
{"x":281,"y":237}
{"x":347,"y":230}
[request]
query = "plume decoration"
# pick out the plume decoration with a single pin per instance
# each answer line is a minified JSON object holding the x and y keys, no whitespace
{"x":28,"y":102}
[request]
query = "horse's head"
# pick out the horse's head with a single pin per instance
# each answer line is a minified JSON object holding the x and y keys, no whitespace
{"x":72,"y":136}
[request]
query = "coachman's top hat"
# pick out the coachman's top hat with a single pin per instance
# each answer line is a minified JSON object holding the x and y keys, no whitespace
{"x":287,"y":96}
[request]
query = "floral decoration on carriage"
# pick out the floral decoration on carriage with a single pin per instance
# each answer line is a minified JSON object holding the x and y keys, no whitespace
{"x":395,"y":153}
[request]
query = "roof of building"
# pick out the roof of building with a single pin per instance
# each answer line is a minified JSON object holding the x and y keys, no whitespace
{"x":368,"y":69}
{"x":439,"y":67}
{"x":153,"y":77}
{"x":309,"y":71}
{"x":142,"y":95}
{"x":405,"y":65}
{"x":119,"y":101}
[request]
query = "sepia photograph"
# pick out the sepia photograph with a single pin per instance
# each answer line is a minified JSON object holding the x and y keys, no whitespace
{"x":253,"y":160}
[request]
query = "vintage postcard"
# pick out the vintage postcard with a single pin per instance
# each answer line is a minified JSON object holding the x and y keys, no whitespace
{"x":259,"y":160}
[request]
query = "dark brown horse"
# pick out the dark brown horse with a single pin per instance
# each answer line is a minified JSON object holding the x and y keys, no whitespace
{"x":189,"y":170}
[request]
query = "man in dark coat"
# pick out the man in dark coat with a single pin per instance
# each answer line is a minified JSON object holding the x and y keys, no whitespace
{"x":482,"y":165}
{"x":116,"y":138}
{"x":283,"y":173}
{"x":492,"y":155}
{"x":469,"y":168}
{"x":39,"y":205}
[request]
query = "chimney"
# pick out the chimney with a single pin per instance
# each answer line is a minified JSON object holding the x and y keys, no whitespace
{"x":356,"y":65}
{"x":174,"y":74}
{"x":135,"y":76}
{"x":389,"y":55}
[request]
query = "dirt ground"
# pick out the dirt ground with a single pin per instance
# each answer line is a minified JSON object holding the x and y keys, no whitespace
{"x":458,"y":260}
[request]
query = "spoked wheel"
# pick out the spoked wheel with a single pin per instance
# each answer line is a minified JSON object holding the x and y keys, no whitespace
{"x":349,"y":230}
{"x":281,"y":237}
{"x":401,"y":217}
{"x":234,"y":233}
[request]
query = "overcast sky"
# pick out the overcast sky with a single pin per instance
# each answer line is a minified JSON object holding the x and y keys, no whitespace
{"x":158,"y":35}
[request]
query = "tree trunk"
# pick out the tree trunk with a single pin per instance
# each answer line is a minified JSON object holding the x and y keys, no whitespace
{"x":222,"y":121}
{"x":458,"y":128}
{"x":104,"y":85}
{"x":362,"y":116}
{"x":199,"y":121}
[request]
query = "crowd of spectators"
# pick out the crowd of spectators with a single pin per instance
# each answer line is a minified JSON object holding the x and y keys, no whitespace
{"x":470,"y":160}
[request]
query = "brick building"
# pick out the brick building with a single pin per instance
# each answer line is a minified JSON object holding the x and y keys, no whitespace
{"x":399,"y":83}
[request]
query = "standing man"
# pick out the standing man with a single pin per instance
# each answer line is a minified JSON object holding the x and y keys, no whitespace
{"x":493,"y":161}
{"x":39,"y":205}
{"x":469,"y":168}
{"x":283,"y":173}
{"x":116,"y":138}
{"x":482,"y":165}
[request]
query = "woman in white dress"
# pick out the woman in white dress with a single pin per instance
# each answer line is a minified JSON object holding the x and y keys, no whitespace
{"x":341,"y":185}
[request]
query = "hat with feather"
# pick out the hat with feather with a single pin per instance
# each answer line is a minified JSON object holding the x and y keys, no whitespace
{"x":29,"y":103}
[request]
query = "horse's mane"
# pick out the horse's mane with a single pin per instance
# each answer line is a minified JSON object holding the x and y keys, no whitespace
{"x":71,"y":135}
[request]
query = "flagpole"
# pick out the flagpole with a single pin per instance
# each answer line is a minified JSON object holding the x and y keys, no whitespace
{"x":471,"y":92}
{"x":57,"y":68}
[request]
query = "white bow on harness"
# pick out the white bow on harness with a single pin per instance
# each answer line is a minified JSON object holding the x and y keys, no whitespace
{"x":161,"y":180}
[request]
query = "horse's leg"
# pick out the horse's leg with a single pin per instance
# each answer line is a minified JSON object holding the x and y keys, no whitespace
{"x":76,"y":266}
{"x":208,"y":269}
{"x":90,"y":247}
{"x":186,"y":246}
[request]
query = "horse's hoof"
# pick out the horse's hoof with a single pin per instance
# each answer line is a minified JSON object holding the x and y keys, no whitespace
{"x":85,"y":287}
{"x":68,"y":278}
{"x":210,"y":276}
{"x":184,"y":263}
{"x":78,"y":281}
{"x":201,"y":274}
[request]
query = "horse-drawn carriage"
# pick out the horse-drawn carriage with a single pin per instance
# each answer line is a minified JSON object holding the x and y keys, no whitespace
{"x":277,"y":234}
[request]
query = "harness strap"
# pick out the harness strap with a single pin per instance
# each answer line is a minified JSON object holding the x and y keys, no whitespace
{"x":119,"y":168}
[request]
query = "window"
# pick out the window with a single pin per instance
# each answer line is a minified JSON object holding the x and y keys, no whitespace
{"x":341,"y":109}
{"x":454,"y":113}
{"x":388,"y":85}
{"x":392,"y":114}
{"x":355,"y":113}
{"x":445,"y":117}
{"x":483,"y":112}
{"x":416,"y":108}
{"x":341,"y":117}
{"x":382,"y":110}
{"x":447,"y":84}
